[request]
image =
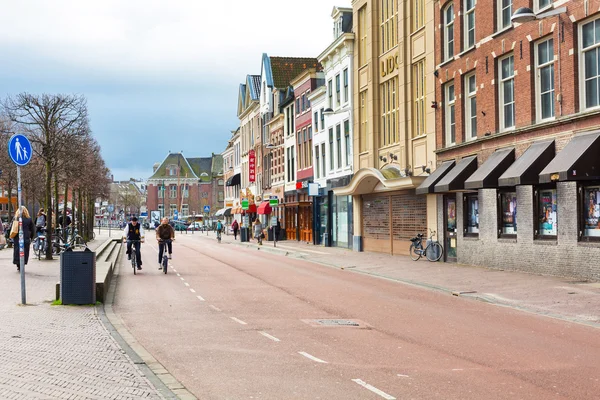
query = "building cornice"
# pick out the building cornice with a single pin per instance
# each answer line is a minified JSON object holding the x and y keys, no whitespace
{"x":337,"y":44}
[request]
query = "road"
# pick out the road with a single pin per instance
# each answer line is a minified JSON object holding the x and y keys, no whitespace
{"x":234,"y":323}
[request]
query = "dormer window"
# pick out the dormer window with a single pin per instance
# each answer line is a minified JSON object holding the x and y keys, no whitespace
{"x":172,"y":170}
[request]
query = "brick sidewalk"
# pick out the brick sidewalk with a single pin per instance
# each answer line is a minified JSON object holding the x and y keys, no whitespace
{"x":59,"y":352}
{"x":564,"y":298}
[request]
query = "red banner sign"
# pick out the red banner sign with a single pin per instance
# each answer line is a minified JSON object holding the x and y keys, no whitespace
{"x":252,"y":166}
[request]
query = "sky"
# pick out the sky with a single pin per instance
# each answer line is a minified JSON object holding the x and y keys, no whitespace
{"x":158,"y":75}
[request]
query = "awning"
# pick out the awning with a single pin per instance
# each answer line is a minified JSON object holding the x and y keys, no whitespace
{"x":455,"y":179}
{"x":233,"y":181}
{"x":487,"y":175}
{"x":527,"y":168}
{"x":223,"y":212}
{"x":227,"y":212}
{"x":579,"y":160}
{"x":438,"y":174}
{"x":220,"y":212}
{"x":264,"y":208}
{"x":372,"y":180}
{"x":236,"y":210}
{"x":251,"y":209}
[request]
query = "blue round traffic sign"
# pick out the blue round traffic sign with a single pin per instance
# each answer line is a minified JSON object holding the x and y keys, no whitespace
{"x":19,"y":149}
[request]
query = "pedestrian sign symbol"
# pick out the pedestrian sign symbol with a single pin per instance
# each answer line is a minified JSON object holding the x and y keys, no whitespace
{"x":19,"y":150}
{"x":207,"y":209}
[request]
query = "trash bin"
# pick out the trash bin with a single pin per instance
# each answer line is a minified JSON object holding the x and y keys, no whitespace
{"x":78,"y":277}
{"x":270,"y":234}
{"x":244,"y":234}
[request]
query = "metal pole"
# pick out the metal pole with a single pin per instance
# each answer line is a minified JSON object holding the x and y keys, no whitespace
{"x":21,"y":240}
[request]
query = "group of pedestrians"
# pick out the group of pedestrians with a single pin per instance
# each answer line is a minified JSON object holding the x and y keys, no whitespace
{"x":257,"y":229}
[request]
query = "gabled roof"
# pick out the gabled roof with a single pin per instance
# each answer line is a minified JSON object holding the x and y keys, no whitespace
{"x":201,"y":165}
{"x":242,"y":98}
{"x":217,"y":165}
{"x":174,"y":159}
{"x":279,"y":71}
{"x":253,"y":85}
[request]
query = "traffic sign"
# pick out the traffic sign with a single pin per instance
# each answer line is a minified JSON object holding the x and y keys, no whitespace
{"x":110,"y":208}
{"x":206,"y":209}
{"x":175,"y":215}
{"x":273,"y":221}
{"x":19,"y":149}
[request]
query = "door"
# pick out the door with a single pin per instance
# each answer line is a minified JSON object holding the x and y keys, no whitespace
{"x":450,"y":228}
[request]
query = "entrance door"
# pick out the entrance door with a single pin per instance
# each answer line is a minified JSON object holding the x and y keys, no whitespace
{"x":450,"y":228}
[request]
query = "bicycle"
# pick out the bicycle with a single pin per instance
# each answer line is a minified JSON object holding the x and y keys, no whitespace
{"x":134,"y":255}
{"x":165,"y":258}
{"x":433,"y":251}
{"x":39,"y":244}
{"x":75,"y":241}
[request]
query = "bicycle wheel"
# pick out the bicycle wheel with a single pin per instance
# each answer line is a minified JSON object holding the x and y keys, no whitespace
{"x":93,"y":235}
{"x":414,"y":252}
{"x":165,"y":263}
{"x":133,"y":264}
{"x":434,"y":252}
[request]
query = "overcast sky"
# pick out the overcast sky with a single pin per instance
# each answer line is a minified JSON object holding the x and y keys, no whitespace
{"x":158,"y":75}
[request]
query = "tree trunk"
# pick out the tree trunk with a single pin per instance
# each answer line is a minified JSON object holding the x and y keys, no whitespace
{"x":48,"y":207}
{"x":64,"y":214}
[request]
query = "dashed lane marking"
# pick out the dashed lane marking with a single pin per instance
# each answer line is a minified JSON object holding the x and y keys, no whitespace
{"x":239,"y":321}
{"x":200,"y":298}
{"x":374,"y":389}
{"x":192,"y":290}
{"x":182,"y":279}
{"x":215,"y":308}
{"x":312,"y":357}
{"x":186,"y":284}
{"x":273,"y":338}
{"x":177,"y":274}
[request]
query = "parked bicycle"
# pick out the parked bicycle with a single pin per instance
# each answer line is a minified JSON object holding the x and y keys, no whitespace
{"x":433,"y":251}
{"x":40,"y":244}
{"x":74,"y":242}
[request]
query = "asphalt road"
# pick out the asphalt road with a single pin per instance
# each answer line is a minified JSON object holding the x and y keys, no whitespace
{"x":232,"y":323}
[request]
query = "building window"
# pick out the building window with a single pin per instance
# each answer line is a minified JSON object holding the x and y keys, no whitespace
{"x":185,"y":191}
{"x":347,"y":141}
{"x":318,"y":162}
{"x":449,"y":114}
{"x":591,"y":212}
{"x":590,"y":55}
{"x":330,"y":93}
{"x":298,"y":106}
{"x":363,"y":123}
{"x":544,"y":80}
{"x":322,"y":119}
{"x":300,"y":157}
{"x":173,"y":191}
{"x":504,"y":14}
{"x":362,"y":32}
{"x":331,"y":159}
{"x":338,"y":89}
{"x":448,"y":32}
{"x":220,"y":182}
{"x":388,"y":25}
{"x":418,"y":81}
{"x":316,"y":122}
{"x":323,"y":161}
{"x":471,"y":214}
{"x":338,"y":141}
{"x":547,"y":223}
{"x":172,"y":208}
{"x":185,"y":209}
{"x":346,"y":82}
{"x":389,"y":103}
{"x":507,"y":93}
{"x":469,"y":23}
{"x":161,"y":191}
{"x":508,"y":213}
{"x":541,"y":4}
{"x":470,"y":106}
{"x":418,"y":14}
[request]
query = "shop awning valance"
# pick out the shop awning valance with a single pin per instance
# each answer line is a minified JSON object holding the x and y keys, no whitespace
{"x":227,"y":212}
{"x":579,"y":160}
{"x":264,"y":208}
{"x":429,"y":183}
{"x":455,"y":179}
{"x":251,"y":209}
{"x":487,"y":175}
{"x":223,"y":212}
{"x":370,"y":180}
{"x":527,"y":168}
{"x":233,"y":181}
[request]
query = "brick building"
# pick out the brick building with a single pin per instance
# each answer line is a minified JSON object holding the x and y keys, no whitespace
{"x":516,"y":117}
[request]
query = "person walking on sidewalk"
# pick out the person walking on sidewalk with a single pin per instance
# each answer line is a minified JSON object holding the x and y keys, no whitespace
{"x":258,"y":231}
{"x":165,"y":234}
{"x":236,"y":227}
{"x":28,"y":232}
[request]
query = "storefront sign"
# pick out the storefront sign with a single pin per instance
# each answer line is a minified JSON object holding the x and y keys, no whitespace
{"x":273,"y":201}
{"x":313,"y":189}
{"x":228,"y":204}
{"x":389,"y":65}
{"x":245,"y":204}
{"x":302,"y":185}
{"x":251,"y":166}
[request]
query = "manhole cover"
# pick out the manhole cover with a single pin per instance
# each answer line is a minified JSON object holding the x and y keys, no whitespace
{"x":353,"y":323}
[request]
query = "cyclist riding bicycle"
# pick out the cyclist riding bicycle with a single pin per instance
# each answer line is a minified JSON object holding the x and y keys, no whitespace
{"x":165,"y":234}
{"x":134,"y":233}
{"x":219,"y":228}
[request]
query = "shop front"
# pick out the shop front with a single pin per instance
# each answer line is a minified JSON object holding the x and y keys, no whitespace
{"x":333,"y":215}
{"x":299,"y":216}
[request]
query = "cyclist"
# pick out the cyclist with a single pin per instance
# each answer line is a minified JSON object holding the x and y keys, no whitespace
{"x":219,"y":229}
{"x":134,"y":233}
{"x":165,"y":234}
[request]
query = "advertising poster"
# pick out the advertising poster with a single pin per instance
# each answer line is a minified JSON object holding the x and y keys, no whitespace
{"x":154,"y":218}
{"x":509,"y":213}
{"x":548,"y":220}
{"x":592,"y":211}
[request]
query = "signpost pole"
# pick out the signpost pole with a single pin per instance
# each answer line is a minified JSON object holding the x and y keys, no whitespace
{"x":21,"y":240}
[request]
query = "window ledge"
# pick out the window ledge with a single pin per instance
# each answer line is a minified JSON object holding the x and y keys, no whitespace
{"x":473,"y":238}
{"x":502,"y":31}
{"x":448,"y":61}
{"x":592,"y":244}
{"x":545,"y":242}
{"x":459,"y":55}
{"x":503,"y":239}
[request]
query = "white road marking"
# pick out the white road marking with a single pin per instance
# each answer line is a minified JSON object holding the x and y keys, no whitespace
{"x":273,"y":338}
{"x":182,"y":279}
{"x":200,"y":298}
{"x":186,"y":284}
{"x":374,"y":389}
{"x":239,"y":321}
{"x":192,"y":290}
{"x":312,"y":357}
{"x":215,"y":308}
{"x":174,"y":270}
{"x":403,"y":376}
{"x":300,"y":250}
{"x":177,"y":274}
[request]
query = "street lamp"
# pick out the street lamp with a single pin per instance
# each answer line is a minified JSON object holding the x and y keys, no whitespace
{"x":526,"y":14}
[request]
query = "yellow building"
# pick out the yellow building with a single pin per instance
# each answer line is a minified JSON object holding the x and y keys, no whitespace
{"x":394,"y":123}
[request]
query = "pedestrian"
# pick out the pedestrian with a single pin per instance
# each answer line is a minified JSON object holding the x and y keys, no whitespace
{"x":236,"y":227}
{"x":2,"y":238}
{"x":258,"y":231}
{"x":28,"y":232}
{"x":277,"y":229}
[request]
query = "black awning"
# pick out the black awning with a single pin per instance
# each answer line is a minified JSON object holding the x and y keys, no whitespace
{"x":441,"y":171}
{"x":233,"y":181}
{"x":455,"y":179}
{"x":577,"y":161}
{"x":527,"y":168}
{"x":227,"y":212}
{"x":487,"y":175}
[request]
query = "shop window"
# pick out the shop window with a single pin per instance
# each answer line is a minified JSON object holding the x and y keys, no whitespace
{"x":471,"y":215}
{"x":507,"y":214}
{"x":546,"y":205}
{"x":590,"y":212}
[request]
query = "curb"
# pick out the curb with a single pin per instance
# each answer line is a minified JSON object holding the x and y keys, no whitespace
{"x":165,"y":383}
